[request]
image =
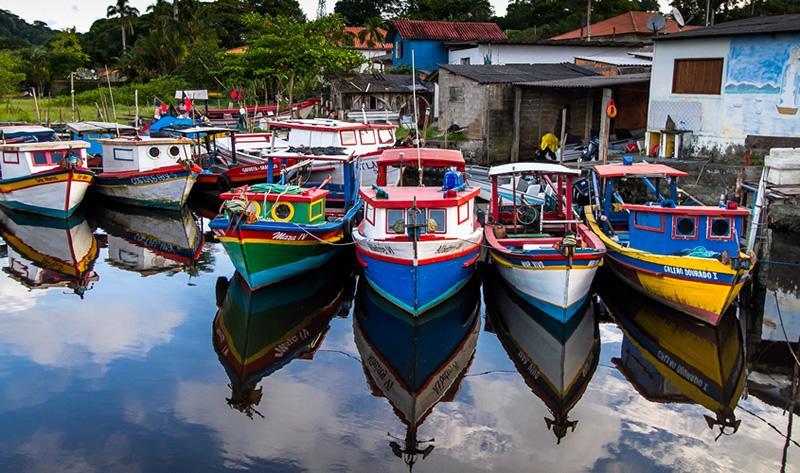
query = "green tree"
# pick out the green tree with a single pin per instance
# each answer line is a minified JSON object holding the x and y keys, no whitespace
{"x":125,"y":13}
{"x":11,"y":74}
{"x":294,"y":55}
{"x":451,"y":10}
{"x":65,"y":54}
{"x":357,"y":12}
{"x":37,"y":67}
{"x":372,"y":36}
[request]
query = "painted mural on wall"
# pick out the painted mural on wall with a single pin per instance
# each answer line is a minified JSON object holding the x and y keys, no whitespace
{"x":766,"y":65}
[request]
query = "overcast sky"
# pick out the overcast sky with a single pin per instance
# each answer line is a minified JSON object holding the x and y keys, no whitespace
{"x":61,"y":14}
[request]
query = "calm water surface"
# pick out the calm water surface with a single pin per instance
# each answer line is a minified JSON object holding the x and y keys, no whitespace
{"x":127,"y":344}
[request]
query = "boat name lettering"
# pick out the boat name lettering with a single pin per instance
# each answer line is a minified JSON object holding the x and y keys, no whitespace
{"x":681,"y":370}
{"x":152,"y":179}
{"x":532,"y":264}
{"x":44,"y":179}
{"x":260,"y":167}
{"x":448,"y":248}
{"x":385,"y":250}
{"x":287,"y":345}
{"x":288,"y":237}
{"x":380,"y":372}
{"x":691,"y":273}
{"x":529,"y":365}
{"x":441,"y":384}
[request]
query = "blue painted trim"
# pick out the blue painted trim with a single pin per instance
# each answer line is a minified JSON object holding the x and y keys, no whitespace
{"x":560,"y":314}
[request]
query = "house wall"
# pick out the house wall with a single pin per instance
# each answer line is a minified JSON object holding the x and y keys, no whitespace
{"x":428,"y":54}
{"x":464,"y":106}
{"x":528,"y":54}
{"x":760,"y":76}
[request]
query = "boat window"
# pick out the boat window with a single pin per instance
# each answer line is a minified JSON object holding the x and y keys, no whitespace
{"x":11,"y":158}
{"x":367,"y":137}
{"x":720,"y":228}
{"x":385,"y":136}
{"x":348,"y":138}
{"x":421,"y":219}
{"x":395,"y":221}
{"x":437,"y":221}
{"x":56,"y":157}
{"x":154,"y":151}
{"x":174,"y":151}
{"x":123,"y":154}
{"x":40,"y":158}
{"x":369,"y":214}
{"x":685,"y":227}
{"x":463,"y":212}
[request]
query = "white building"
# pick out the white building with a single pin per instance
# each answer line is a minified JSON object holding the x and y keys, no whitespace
{"x":723,"y":84}
{"x":536,"y":52}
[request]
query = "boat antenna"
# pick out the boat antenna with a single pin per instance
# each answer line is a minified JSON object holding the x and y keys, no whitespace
{"x":110,"y":92}
{"x":416,"y":114}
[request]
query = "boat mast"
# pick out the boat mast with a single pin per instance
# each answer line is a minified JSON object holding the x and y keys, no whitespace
{"x":416,"y":117}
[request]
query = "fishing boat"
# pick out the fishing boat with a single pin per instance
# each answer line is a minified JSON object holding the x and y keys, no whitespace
{"x":256,"y":333}
{"x":25,"y":133}
{"x":416,"y":363}
{"x":47,"y":178}
{"x":274,"y":231}
{"x":147,"y":172}
{"x":92,"y":131}
{"x":230,"y":116}
{"x":685,"y":256}
{"x":556,"y":360}
{"x":310,"y":137}
{"x":418,"y":245}
{"x":149,"y":241}
{"x":542,"y":250}
{"x":669,"y":358}
{"x":47,"y":252}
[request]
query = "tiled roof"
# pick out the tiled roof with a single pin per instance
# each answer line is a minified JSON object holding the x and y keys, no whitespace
{"x":358,"y":44}
{"x":633,"y":22}
{"x":510,"y":73}
{"x":446,"y":30}
{"x":747,"y":26}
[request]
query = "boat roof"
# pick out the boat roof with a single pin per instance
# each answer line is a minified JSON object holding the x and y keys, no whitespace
{"x":637,"y":169}
{"x":426,"y":197}
{"x":325,"y":124}
{"x":199,"y":129}
{"x":45,"y":145}
{"x":531,"y":167}
{"x":144,"y":141}
{"x":284,"y":154}
{"x":688,"y":210}
{"x":97,"y":127}
{"x":430,"y":157}
{"x":18,"y":129}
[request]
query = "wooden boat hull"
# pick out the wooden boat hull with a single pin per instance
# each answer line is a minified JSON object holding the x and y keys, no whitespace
{"x":700,"y":287}
{"x":268,"y":252}
{"x":166,"y":188}
{"x":56,"y":193}
{"x":443,"y":267}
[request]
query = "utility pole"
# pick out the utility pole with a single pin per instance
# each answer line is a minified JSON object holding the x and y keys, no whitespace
{"x":322,"y":9}
{"x":588,"y":20}
{"x":708,"y":12}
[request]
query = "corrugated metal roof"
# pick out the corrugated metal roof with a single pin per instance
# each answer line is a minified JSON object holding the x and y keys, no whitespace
{"x":632,"y":22}
{"x":379,"y":82}
{"x":512,"y":73}
{"x":747,"y":26}
{"x":592,"y":82}
{"x":445,"y":30}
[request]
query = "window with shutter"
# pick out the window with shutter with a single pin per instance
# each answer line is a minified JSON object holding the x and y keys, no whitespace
{"x":697,"y":76}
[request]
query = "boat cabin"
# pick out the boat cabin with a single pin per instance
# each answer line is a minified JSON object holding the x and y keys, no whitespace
{"x":92,"y":131}
{"x":144,"y":154}
{"x":24,"y":159}
{"x":431,"y":163}
{"x":537,"y":198}
{"x":430,"y":212}
{"x":326,"y":133}
{"x":656,"y":223}
{"x":25,"y":133}
{"x":284,"y":203}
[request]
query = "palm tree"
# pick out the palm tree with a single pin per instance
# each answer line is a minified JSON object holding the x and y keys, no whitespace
{"x":125,"y":12}
{"x":372,"y":35}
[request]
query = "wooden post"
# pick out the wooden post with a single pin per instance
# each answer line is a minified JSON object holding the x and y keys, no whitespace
{"x":604,"y":126}
{"x":517,"y":109}
{"x":72,"y":92}
{"x":36,"y":105}
{"x":563,"y":138}
{"x":587,"y":126}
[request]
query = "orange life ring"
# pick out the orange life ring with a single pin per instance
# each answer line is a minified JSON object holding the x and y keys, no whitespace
{"x":611,"y":109}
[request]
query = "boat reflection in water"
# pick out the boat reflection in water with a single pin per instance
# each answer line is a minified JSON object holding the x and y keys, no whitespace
{"x":46,"y":252}
{"x":150,"y":242}
{"x":670,"y":358}
{"x":416,"y":362}
{"x":258,"y":332}
{"x":557,"y":360}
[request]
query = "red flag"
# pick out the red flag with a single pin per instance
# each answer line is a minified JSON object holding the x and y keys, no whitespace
{"x":187,"y":102}
{"x":233,"y":94}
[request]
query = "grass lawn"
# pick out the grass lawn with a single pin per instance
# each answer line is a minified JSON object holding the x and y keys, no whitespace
{"x":55,"y":111}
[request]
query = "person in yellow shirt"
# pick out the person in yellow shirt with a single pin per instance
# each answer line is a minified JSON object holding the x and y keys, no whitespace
{"x":548,"y":147}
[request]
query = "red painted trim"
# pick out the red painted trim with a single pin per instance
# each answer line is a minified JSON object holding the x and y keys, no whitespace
{"x":354,"y":126}
{"x":391,"y":138}
{"x":361,"y":260}
{"x":309,"y":195}
{"x":687,"y":210}
{"x":428,"y":201}
{"x":370,"y":210}
{"x":408,"y":262}
{"x":152,"y":172}
{"x":341,"y":137}
{"x":675,"y":236}
{"x":711,"y":237}
{"x":645,"y":227}
{"x":466,"y":216}
{"x":472,"y":260}
{"x":66,"y":198}
{"x":387,"y":229}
